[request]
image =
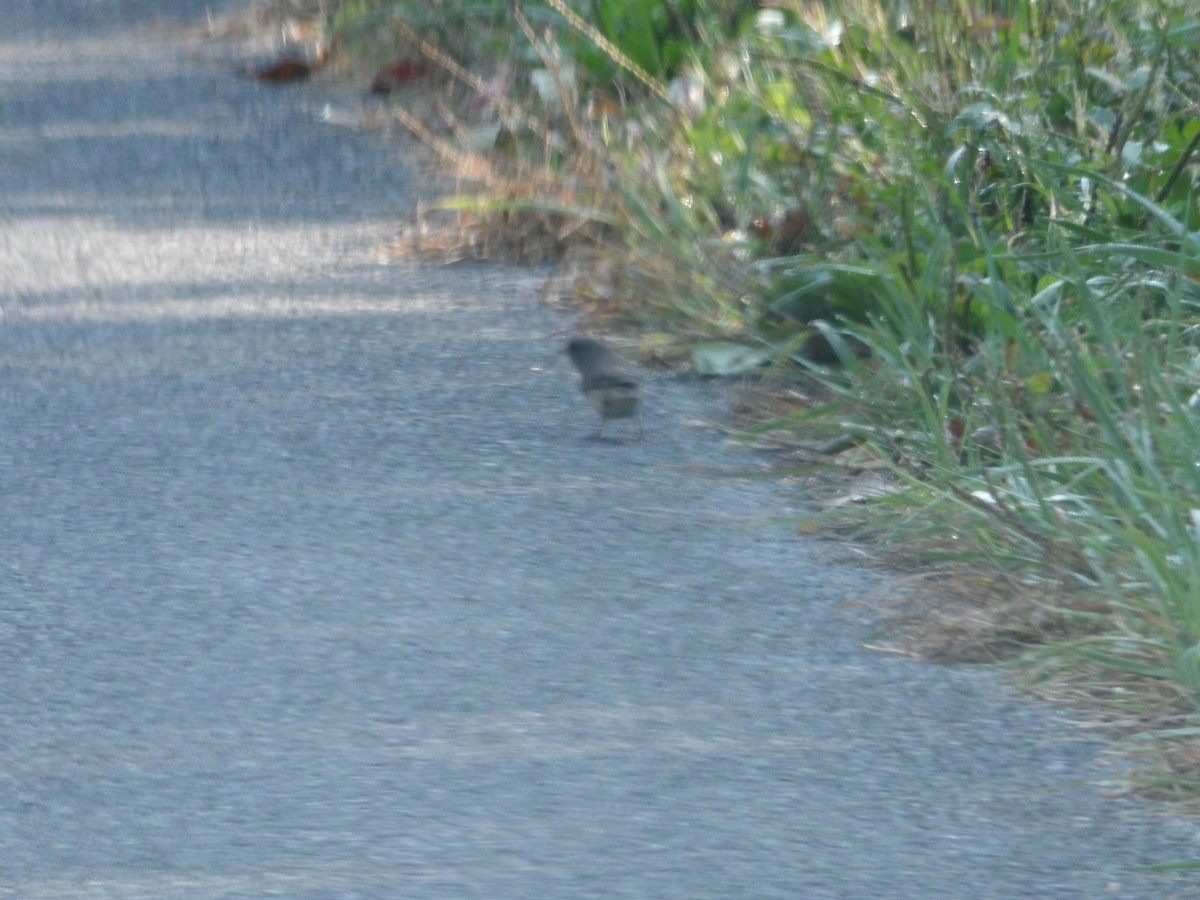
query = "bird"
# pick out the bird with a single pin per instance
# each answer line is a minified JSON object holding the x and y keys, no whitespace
{"x":609,"y":384}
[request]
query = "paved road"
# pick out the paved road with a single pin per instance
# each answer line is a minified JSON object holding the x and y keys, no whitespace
{"x":311,"y":586}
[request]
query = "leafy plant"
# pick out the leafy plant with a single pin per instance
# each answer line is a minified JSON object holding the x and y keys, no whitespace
{"x":651,"y":39}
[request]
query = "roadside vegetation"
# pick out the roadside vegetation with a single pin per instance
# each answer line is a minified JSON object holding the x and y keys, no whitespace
{"x":964,"y":236}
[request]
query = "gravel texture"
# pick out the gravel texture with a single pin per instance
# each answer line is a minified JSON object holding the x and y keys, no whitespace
{"x":312,"y":584}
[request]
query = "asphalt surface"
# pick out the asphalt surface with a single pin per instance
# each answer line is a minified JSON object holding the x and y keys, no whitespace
{"x":312,"y":584}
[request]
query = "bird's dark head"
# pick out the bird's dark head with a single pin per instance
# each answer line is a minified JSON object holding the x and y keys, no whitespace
{"x":582,"y":350}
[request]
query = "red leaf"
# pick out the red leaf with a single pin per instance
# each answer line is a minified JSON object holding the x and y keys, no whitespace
{"x":289,"y":68}
{"x":387,"y":80}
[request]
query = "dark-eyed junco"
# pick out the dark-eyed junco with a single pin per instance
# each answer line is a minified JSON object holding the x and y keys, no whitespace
{"x":609,"y":383}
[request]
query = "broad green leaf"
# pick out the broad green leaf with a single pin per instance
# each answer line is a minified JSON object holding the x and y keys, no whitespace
{"x":722,"y":358}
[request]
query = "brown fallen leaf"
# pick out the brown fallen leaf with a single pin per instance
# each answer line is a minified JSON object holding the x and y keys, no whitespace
{"x":792,"y":231}
{"x":598,"y":107}
{"x":286,"y":69}
{"x":387,"y":80}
